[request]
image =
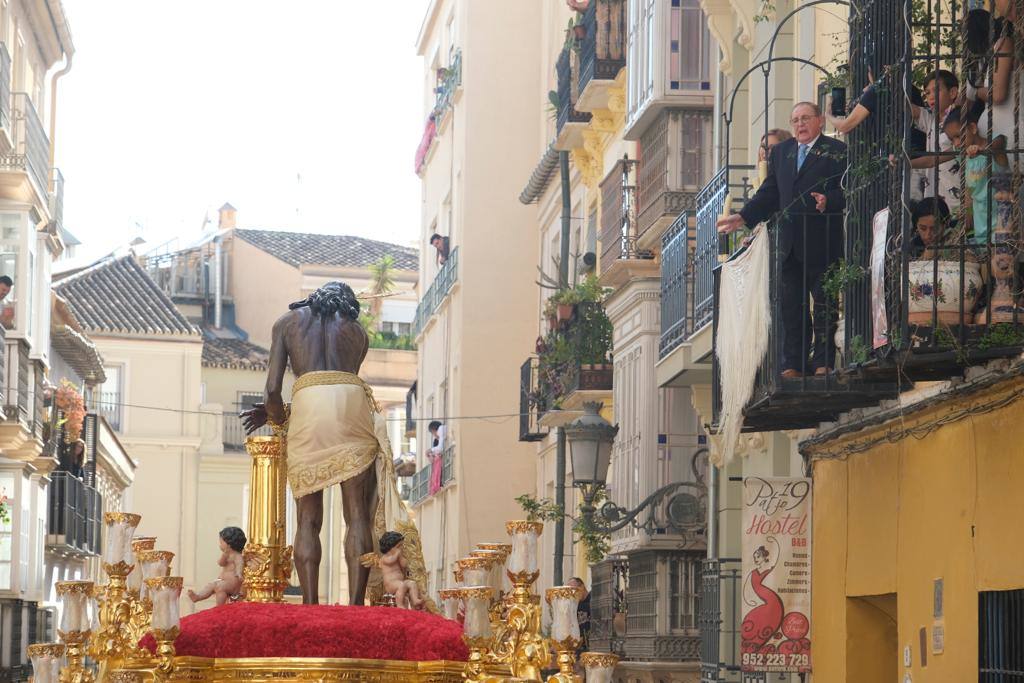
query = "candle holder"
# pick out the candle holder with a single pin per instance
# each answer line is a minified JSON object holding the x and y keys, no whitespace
{"x":505,"y":549}
{"x":149,"y":564}
{"x":565,"y":631}
{"x":75,"y":629}
{"x":450,"y":602}
{"x":518,"y":643}
{"x":46,"y":661}
{"x":140,"y":544}
{"x":599,"y":666}
{"x":112,"y":643}
{"x":476,"y":571}
{"x":477,"y":631}
{"x":165,"y":624}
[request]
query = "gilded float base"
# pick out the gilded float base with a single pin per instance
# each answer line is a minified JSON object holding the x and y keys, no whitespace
{"x":276,"y":669}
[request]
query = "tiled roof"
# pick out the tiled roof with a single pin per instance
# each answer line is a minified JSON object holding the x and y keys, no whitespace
{"x":233,"y":353}
{"x":302,"y":248}
{"x":116,"y":295}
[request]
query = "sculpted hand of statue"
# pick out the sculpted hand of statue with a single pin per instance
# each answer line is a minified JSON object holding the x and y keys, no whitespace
{"x":254,"y":418}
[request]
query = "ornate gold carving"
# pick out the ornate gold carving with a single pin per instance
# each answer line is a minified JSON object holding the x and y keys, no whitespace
{"x":129,"y":518}
{"x":268,"y":560}
{"x":563,"y":592}
{"x":143,"y":543}
{"x":598,"y":659}
{"x":74,"y":642}
{"x":503,"y":548}
{"x":69,"y":587}
{"x":566,"y":659}
{"x":46,"y":650}
{"x":264,"y":446}
{"x":147,"y":556}
{"x":475,"y":563}
{"x":519,"y":526}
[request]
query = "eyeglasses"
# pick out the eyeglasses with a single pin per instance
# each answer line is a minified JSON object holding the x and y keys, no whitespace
{"x":802,"y":119}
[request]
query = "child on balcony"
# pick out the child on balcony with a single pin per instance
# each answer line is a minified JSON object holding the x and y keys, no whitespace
{"x":982,"y":183}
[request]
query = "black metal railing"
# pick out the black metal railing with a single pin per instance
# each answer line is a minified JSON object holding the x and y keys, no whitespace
{"x":57,"y":199}
{"x":603,"y":47}
{"x":449,"y":79}
{"x":1000,"y":634}
{"x":731,"y":185}
{"x":677,"y":283}
{"x":31,"y":143}
{"x":436,"y":293}
{"x":567,"y":69}
{"x":234,"y":432}
{"x":719,"y":619}
{"x":531,"y":403}
{"x":420,"y":482}
{"x":5,"y":87}
{"x":610,"y":579}
{"x":17,"y":395}
{"x":410,"y":411}
{"x":75,"y":515}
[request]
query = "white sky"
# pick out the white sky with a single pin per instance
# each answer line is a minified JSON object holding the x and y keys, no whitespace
{"x":174,"y":107}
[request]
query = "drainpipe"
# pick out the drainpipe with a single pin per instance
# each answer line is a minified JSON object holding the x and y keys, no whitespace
{"x":217,"y":286}
{"x":68,"y":57}
{"x":563,"y":283}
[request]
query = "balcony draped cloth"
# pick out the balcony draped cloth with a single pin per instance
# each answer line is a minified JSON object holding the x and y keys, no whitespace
{"x":336,"y":431}
{"x":744,"y":319}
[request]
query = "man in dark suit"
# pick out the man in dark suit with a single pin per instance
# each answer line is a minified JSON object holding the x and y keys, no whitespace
{"x":802,"y":193}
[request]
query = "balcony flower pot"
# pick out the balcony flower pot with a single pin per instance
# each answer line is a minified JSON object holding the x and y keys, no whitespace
{"x":943,"y":293}
{"x":564,"y":312}
{"x":552,"y":322}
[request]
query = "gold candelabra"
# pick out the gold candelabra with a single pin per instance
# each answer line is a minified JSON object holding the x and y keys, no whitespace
{"x":502,"y":615}
{"x":106,"y":622}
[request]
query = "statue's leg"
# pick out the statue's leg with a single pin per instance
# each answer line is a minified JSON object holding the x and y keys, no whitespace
{"x":310,"y":517}
{"x":359,"y":503}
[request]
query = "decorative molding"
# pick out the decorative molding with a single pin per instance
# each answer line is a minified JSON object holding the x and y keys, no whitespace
{"x":722,"y":25}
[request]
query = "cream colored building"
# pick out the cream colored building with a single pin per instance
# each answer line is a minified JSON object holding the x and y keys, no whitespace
{"x":234,"y":283}
{"x":476,"y":312}
{"x":150,"y":398}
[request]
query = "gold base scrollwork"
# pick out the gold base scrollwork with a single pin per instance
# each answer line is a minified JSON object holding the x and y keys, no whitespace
{"x":75,"y":644}
{"x":518,"y":643}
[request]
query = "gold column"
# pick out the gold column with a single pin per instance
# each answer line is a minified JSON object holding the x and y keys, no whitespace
{"x":268,"y":560}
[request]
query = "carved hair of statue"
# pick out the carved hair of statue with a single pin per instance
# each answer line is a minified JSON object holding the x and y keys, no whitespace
{"x":233,"y":537}
{"x":333,"y":298}
{"x":389,"y":540}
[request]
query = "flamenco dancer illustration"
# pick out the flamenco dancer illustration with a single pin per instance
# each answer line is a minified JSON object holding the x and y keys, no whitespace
{"x":764,"y":621}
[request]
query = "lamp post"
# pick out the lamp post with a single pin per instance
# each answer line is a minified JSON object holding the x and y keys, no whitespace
{"x":590,"y":448}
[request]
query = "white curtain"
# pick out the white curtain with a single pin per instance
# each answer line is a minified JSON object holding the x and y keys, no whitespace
{"x":742,"y":339}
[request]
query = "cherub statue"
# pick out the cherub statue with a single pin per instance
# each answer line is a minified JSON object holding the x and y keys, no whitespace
{"x":228,"y":586}
{"x":394,"y":572}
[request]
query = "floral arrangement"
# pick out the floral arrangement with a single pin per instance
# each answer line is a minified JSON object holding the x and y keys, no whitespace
{"x":69,"y":400}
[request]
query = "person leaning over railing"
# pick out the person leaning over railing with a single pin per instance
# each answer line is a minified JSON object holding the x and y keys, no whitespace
{"x":942,"y":88}
{"x":802,"y":193}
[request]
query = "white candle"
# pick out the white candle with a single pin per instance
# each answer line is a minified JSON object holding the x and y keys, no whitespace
{"x":599,"y":666}
{"x":165,"y":593}
{"x":564,"y":622}
{"x":523,"y":559}
{"x":139,"y":545}
{"x":47,"y":659}
{"x":74,"y":596}
{"x":478,"y":619}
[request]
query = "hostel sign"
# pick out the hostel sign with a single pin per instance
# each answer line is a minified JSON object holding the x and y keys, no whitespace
{"x":776,"y":607}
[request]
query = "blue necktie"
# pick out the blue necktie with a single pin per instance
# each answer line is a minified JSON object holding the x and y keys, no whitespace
{"x":801,"y":156}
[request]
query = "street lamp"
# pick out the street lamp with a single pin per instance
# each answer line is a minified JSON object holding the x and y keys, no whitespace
{"x":590,"y":447}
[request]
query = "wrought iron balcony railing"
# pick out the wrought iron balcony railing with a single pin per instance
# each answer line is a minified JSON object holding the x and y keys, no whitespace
{"x":677,"y":290}
{"x":75,"y":515}
{"x":31,"y":151}
{"x":618,"y":216}
{"x":532,"y":404}
{"x":720,"y":603}
{"x":567,"y":69}
{"x":420,"y":484}
{"x":603,"y":47}
{"x":436,"y":293}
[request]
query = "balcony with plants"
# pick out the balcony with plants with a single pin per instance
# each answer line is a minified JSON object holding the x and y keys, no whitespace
{"x":601,"y":32}
{"x":574,"y":362}
{"x":919,"y":290}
